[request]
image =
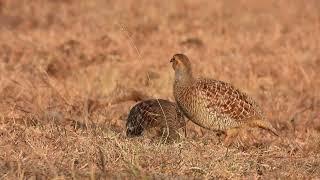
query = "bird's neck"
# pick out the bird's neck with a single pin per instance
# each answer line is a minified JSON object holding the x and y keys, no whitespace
{"x":183,"y":78}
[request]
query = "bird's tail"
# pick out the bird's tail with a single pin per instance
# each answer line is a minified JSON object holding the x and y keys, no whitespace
{"x":264,"y":125}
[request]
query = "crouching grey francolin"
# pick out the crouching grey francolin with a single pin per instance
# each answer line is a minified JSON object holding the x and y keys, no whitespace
{"x":214,"y":104}
{"x":155,"y":113}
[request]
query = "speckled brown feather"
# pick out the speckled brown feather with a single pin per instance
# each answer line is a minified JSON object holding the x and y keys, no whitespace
{"x":213,"y":104}
{"x":155,"y":113}
{"x":223,"y":98}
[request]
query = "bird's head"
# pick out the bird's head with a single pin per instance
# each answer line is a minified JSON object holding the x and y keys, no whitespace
{"x":181,"y":66}
{"x":180,"y":62}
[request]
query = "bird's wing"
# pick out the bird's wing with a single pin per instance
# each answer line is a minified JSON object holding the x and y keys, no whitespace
{"x":224,"y":99}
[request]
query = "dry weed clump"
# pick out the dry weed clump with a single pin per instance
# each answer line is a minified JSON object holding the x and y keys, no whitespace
{"x":69,"y":75}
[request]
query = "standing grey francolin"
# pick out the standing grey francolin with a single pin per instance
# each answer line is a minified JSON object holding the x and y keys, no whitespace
{"x":214,"y":104}
{"x":155,"y":113}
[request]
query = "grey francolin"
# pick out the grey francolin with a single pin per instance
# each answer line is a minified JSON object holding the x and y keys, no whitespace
{"x":153,"y":113}
{"x":214,"y":104}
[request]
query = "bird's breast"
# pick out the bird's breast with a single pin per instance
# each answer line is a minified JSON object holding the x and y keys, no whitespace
{"x":196,"y":108}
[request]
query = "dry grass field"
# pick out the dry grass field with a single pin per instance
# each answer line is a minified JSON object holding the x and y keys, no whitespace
{"x":70,"y":70}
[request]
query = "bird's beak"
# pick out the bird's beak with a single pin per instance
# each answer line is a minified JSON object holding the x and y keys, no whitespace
{"x":171,"y":60}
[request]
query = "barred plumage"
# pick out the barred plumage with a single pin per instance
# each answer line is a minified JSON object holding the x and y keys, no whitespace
{"x":214,"y":104}
{"x":155,"y":113}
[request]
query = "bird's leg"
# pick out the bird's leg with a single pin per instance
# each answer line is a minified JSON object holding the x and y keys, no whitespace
{"x":185,"y":131}
{"x":230,"y":135}
{"x":246,"y":134}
